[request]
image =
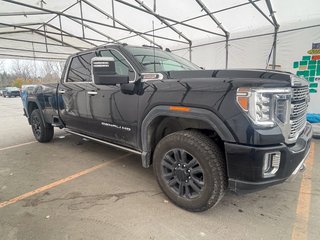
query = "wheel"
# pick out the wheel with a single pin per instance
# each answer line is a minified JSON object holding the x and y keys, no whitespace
{"x":41,"y":131}
{"x":190,"y":169}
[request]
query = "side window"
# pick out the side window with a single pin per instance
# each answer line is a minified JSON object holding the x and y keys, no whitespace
{"x":121,"y":64}
{"x":80,"y":68}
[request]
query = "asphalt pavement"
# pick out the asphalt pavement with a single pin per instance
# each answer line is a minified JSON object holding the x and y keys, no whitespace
{"x":72,"y":188}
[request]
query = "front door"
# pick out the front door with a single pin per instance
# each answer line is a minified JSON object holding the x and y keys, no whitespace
{"x":113,"y":114}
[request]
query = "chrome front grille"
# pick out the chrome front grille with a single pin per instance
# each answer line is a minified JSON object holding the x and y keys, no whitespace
{"x":299,"y":109}
{"x":300,"y":93}
{"x":299,"y":106}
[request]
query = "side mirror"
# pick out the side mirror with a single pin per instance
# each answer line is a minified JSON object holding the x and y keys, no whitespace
{"x":104,"y":72}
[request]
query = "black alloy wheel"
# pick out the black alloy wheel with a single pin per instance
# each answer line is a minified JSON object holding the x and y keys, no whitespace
{"x":36,"y":125}
{"x":183,"y":173}
{"x":42,"y":131}
{"x":190,"y":169}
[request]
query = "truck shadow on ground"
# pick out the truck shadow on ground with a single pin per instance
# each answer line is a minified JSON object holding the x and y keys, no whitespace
{"x":269,"y":203}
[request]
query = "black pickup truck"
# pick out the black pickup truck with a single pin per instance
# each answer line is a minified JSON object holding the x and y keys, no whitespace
{"x":204,"y":131}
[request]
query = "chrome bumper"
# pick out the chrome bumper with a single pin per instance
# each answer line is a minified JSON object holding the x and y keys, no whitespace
{"x":300,"y":168}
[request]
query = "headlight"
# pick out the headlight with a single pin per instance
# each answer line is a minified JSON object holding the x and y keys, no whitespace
{"x":266,"y":106}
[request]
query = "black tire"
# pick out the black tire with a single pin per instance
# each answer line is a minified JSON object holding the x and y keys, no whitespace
{"x":43,"y":132}
{"x":190,"y":188}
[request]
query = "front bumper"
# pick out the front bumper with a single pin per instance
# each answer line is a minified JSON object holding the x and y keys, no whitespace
{"x":245,"y":163}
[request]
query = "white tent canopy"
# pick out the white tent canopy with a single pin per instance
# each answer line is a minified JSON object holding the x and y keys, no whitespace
{"x":275,"y":34}
{"x":47,"y":29}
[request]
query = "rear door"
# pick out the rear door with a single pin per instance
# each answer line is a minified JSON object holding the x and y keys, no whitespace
{"x":73,"y":92}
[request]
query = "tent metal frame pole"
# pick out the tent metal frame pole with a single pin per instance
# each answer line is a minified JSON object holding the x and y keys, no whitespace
{"x":49,"y":32}
{"x":261,"y":12}
{"x":46,"y":11}
{"x":45,"y":37}
{"x":169,"y":19}
{"x":82,"y":22}
{"x":91,"y":21}
{"x":113,"y":15}
{"x":36,"y":51}
{"x":119,"y":22}
{"x":227,"y":50}
{"x":31,"y":57}
{"x":10,"y":32}
{"x":219,"y":25}
{"x":11,"y":14}
{"x":276,"y":29}
{"x":193,"y":18}
{"x":274,"y":52}
{"x":54,"y":17}
{"x":26,"y":24}
{"x":95,"y":30}
{"x":60,"y":24}
{"x":269,"y":5}
{"x":35,"y":42}
{"x":81,"y":14}
{"x":251,"y":36}
{"x":150,"y":11}
{"x":190,"y":51}
{"x":69,"y":34}
{"x":276,"y":26}
{"x":57,"y":40}
{"x":207,"y":11}
{"x":53,"y":12}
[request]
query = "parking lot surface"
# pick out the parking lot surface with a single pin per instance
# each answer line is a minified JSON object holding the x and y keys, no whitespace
{"x":72,"y":188}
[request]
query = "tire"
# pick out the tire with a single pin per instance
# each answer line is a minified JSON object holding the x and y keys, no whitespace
{"x":43,"y":132}
{"x":190,"y":169}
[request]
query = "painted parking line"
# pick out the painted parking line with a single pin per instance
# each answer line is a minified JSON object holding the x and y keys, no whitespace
{"x":18,"y":145}
{"x":61,"y":181}
{"x":300,"y":227}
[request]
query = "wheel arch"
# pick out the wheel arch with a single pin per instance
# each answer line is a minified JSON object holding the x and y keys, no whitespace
{"x":32,"y":105}
{"x":193,"y":118}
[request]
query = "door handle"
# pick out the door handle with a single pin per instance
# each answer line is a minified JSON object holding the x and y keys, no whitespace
{"x":92,"y":93}
{"x":61,"y":91}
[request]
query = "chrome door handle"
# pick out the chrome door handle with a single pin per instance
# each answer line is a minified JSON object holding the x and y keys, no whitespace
{"x":61,"y":91}
{"x":92,"y":93}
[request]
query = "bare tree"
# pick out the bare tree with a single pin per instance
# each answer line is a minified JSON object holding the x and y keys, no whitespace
{"x":22,"y":69}
{"x":51,"y":71}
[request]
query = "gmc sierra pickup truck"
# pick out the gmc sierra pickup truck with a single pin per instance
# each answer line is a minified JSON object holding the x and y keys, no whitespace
{"x":204,"y":131}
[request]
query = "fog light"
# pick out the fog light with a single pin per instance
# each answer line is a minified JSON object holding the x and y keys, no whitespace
{"x":271,"y":164}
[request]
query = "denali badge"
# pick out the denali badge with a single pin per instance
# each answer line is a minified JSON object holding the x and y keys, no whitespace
{"x":116,"y":126}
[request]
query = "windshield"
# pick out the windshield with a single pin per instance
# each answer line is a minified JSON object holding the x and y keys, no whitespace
{"x":156,"y":60}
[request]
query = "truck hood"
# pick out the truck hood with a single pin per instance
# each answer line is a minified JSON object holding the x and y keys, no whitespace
{"x":231,"y":74}
{"x":253,"y":75}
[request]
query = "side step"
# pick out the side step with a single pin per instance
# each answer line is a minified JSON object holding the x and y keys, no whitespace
{"x":104,"y":142}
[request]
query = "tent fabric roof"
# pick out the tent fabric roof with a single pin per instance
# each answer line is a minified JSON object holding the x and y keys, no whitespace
{"x":47,"y":29}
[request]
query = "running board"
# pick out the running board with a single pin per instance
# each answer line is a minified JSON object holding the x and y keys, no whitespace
{"x":104,"y":142}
